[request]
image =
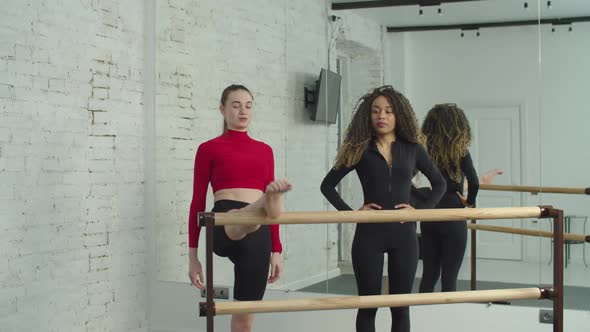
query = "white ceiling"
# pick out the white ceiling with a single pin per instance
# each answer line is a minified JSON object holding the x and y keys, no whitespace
{"x":474,"y":12}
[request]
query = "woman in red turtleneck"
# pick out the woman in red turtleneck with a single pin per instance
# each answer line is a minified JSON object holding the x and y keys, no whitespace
{"x":241,"y":172}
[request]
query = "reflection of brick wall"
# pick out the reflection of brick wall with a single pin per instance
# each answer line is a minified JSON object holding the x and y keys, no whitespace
{"x":365,"y":72}
{"x":72,"y":236}
{"x":72,"y":143}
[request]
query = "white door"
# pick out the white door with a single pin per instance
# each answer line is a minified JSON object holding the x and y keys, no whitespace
{"x":497,"y":144}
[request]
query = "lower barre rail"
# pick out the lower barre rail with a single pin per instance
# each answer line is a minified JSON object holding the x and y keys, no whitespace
{"x":527,"y":232}
{"x":376,"y":301}
{"x":535,"y":189}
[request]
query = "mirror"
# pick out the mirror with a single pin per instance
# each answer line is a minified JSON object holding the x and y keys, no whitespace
{"x":457,"y":53}
{"x":565,"y":65}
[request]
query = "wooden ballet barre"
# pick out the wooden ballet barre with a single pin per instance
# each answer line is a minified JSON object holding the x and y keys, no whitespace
{"x":535,"y":189}
{"x":210,"y":308}
{"x":529,"y":232}
{"x":377,"y":301}
{"x":373,"y":216}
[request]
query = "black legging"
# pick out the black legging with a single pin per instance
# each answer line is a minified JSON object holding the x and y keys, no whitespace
{"x":443,"y":248}
{"x":250,"y":255}
{"x":371,"y":242}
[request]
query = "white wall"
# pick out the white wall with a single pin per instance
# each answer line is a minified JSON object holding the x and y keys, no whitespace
{"x":565,"y":79}
{"x":75,"y":125}
{"x":275,"y":52}
{"x":502,"y":66}
{"x":72,"y":144}
{"x":203,"y":47}
{"x":72,"y":231}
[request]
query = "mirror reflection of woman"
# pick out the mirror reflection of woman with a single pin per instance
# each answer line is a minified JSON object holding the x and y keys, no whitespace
{"x":382,"y":144}
{"x":241,"y":172}
{"x":448,"y":136}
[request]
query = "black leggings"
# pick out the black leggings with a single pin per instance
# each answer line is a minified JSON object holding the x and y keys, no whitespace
{"x":250,"y":255}
{"x":371,"y":242}
{"x":443,"y":248}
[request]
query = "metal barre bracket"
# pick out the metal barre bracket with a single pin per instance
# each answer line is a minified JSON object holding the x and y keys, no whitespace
{"x":204,"y":217}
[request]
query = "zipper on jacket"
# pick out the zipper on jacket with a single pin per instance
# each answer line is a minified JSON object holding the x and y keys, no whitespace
{"x":389,"y":167}
{"x":390,"y":176}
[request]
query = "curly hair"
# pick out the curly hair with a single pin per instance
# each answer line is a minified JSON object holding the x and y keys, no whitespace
{"x":360,"y":130}
{"x":448,"y":136}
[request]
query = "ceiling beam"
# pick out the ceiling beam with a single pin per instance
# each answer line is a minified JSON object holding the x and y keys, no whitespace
{"x":391,"y":3}
{"x":475,"y":26}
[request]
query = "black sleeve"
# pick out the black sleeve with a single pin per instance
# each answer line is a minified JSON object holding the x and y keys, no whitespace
{"x":328,"y":187}
{"x":437,"y":182}
{"x":472,"y":179}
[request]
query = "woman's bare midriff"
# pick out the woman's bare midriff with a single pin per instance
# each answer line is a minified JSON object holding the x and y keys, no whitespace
{"x":238,"y":194}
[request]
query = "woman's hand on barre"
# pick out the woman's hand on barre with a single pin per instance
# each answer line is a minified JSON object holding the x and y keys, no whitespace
{"x":370,"y":206}
{"x":404,"y":206}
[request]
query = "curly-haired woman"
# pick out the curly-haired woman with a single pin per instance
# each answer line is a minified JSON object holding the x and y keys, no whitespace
{"x":383,"y":145}
{"x":448,"y":136}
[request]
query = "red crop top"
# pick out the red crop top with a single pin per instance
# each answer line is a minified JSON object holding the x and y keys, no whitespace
{"x":232,"y":160}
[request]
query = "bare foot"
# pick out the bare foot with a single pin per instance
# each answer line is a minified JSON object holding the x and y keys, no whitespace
{"x":238,"y":232}
{"x":489,"y":176}
{"x":269,"y":204}
{"x":273,"y":194}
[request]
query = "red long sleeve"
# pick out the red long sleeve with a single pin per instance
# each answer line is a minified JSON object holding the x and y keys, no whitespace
{"x":232,"y":160}
{"x":200,"y":183}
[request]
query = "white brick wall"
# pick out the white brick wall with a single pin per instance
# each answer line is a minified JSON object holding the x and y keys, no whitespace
{"x":275,"y":52}
{"x":197,"y":57}
{"x":73,"y":252}
{"x":72,"y":243}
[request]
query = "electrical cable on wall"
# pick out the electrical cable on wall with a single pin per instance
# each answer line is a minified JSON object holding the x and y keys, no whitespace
{"x":336,"y":30}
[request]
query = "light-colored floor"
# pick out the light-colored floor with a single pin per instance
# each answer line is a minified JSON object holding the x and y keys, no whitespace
{"x":175,"y":307}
